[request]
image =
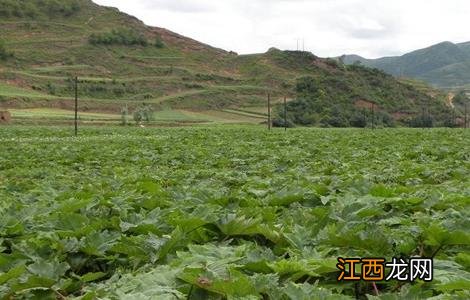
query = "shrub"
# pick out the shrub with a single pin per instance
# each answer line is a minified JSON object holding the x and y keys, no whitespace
{"x":386,"y":119}
{"x":332,"y":63}
{"x":359,"y":119}
{"x":307,"y":86}
{"x":121,"y":36}
{"x":124,"y":115}
{"x":4,"y":53}
{"x":421,"y":120}
{"x":159,"y":42}
{"x":278,"y":122}
{"x":51,"y":88}
{"x":9,"y":8}
{"x":144,"y":113}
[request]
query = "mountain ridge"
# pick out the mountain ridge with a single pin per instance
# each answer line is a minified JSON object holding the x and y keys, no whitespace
{"x":443,"y":65}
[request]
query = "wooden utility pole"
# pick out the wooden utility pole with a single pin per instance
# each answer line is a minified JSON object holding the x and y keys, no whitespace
{"x":372,"y":110}
{"x":76,"y":106}
{"x":454,"y":118}
{"x":423,"y":118}
{"x":364,"y":117}
{"x":269,"y":111}
{"x":466,"y":114}
{"x":428,"y":115}
{"x":285,"y":113}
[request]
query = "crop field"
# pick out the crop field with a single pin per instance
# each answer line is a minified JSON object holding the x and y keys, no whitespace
{"x":230,"y":212}
{"x":51,"y":116}
{"x":59,"y":114}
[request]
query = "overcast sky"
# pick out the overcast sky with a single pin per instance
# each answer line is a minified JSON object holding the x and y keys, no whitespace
{"x":371,"y":28}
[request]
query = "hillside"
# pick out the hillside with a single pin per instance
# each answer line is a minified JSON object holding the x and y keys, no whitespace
{"x":445,"y":65}
{"x":121,"y":62}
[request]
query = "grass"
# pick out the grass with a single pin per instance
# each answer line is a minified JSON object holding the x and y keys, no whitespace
{"x":178,"y":116}
{"x":244,"y":113}
{"x":229,"y":117}
{"x":8,"y":90}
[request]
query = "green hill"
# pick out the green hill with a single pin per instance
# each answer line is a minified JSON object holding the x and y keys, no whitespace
{"x":445,"y":65}
{"x":122,"y":62}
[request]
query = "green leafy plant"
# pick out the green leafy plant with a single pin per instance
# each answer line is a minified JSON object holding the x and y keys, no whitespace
{"x":229,"y":212}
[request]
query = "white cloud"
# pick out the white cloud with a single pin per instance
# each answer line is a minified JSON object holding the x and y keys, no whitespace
{"x":329,"y":27}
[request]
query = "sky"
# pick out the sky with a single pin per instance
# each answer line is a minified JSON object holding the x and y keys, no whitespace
{"x":370,"y":28}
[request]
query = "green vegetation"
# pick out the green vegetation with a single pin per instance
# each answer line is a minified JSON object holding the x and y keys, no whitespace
{"x":34,"y":9}
{"x":121,"y":36}
{"x":461,"y":99}
{"x":229,"y":213}
{"x":359,"y":99}
{"x":4,"y":53}
{"x":159,"y":42}
{"x":144,"y":113}
{"x":165,"y":117}
{"x":10,"y":91}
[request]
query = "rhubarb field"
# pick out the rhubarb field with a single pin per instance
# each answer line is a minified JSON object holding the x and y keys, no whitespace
{"x":230,"y":212}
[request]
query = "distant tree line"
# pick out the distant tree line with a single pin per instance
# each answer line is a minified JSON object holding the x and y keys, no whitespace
{"x":37,"y":8}
{"x":123,"y":36}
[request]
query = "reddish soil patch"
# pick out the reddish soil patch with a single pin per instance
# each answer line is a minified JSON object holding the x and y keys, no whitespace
{"x":362,"y":103}
{"x":186,"y":44}
{"x":5,"y":117}
{"x":18,"y":82}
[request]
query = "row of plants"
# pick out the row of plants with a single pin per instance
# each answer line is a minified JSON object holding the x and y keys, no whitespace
{"x":229,"y":212}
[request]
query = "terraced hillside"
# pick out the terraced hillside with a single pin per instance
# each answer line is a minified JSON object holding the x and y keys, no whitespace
{"x":121,"y":62}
